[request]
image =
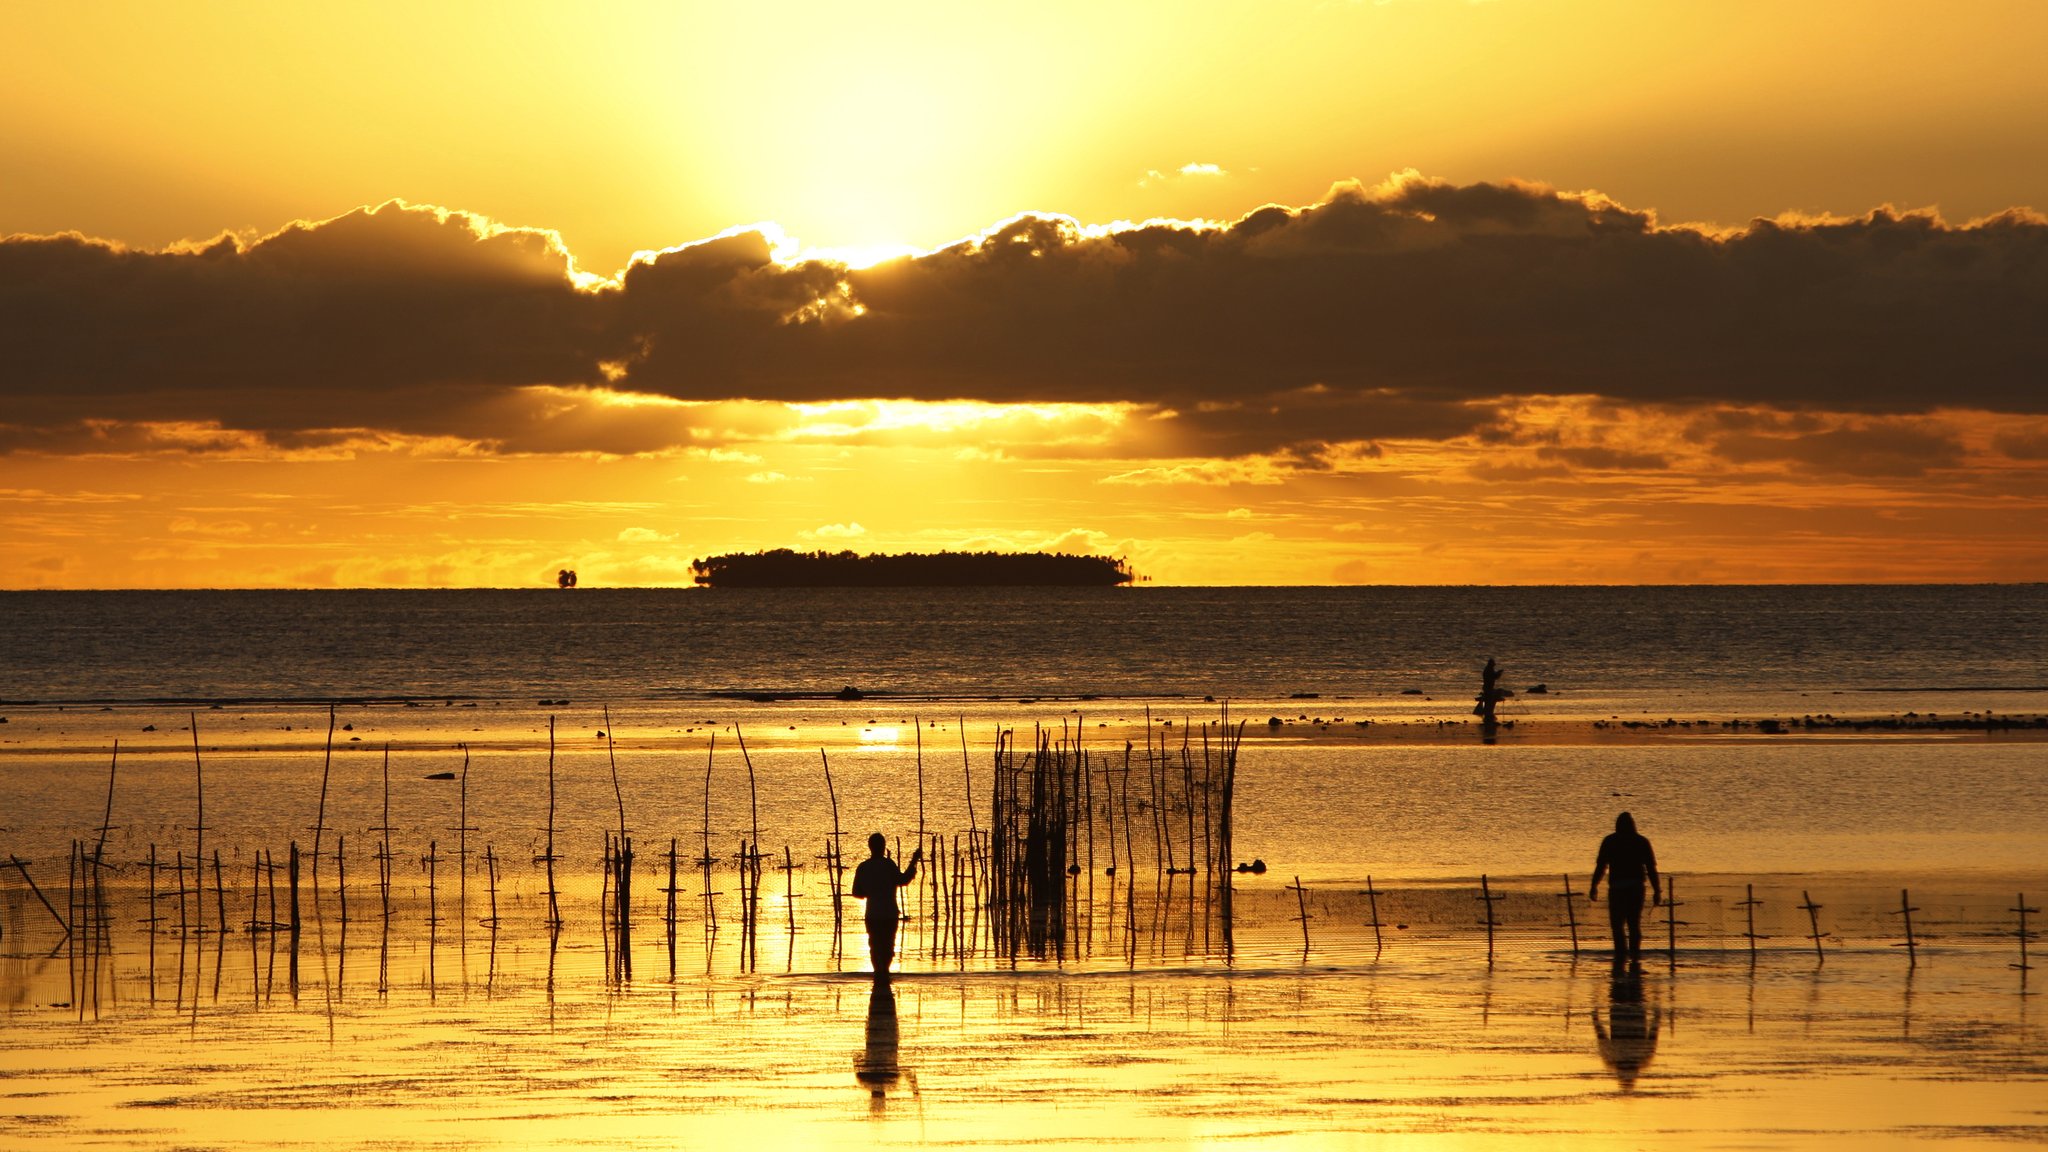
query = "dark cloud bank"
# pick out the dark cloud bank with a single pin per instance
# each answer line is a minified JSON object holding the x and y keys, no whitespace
{"x":1409,"y":310}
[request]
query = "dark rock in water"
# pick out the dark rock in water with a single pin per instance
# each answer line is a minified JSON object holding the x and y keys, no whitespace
{"x":440,"y":776}
{"x":1411,"y":691}
{"x":600,"y":735}
{"x":850,"y":693}
{"x":149,"y":727}
{"x":1272,"y":721}
{"x":1258,"y":866}
{"x":1539,"y":689}
{"x":1304,"y":695}
{"x":348,"y":727}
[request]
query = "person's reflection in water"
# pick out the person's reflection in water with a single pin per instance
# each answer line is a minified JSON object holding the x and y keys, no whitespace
{"x":1628,"y":1038}
{"x":876,"y":1066}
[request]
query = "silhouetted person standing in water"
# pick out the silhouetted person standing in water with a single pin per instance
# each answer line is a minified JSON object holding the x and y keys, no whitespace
{"x":1627,"y":860}
{"x":876,"y":881}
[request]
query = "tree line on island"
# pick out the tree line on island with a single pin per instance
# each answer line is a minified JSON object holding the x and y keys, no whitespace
{"x":786,"y":568}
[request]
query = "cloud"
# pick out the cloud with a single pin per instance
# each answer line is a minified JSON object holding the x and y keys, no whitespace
{"x":362,"y":321}
{"x":837,"y":531}
{"x":1414,"y":309}
{"x":1886,"y":450}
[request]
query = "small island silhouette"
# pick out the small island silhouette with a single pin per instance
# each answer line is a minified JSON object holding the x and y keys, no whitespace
{"x":784,"y":568}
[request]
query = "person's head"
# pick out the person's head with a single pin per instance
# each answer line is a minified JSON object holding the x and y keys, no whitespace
{"x":877,"y":844}
{"x":1624,"y":823}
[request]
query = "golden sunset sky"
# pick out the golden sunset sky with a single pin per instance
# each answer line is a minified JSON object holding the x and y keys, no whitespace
{"x":1248,"y":291}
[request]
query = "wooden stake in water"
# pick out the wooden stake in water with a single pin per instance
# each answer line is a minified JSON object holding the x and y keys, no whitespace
{"x":384,"y":848}
{"x":292,"y":876}
{"x":1749,"y":905}
{"x":2020,"y":906}
{"x":220,"y":895}
{"x":462,"y":845}
{"x":199,"y":828}
{"x":491,"y":880}
{"x":705,"y":860}
{"x":611,"y":753}
{"x":1906,"y":910}
{"x":832,"y":850}
{"x":1671,"y":920}
{"x":668,"y":918}
{"x":107,"y":817}
{"x":789,"y":887}
{"x":1301,"y":902}
{"x":554,"y":904}
{"x":22,"y":868}
{"x":1372,"y":898}
{"x":320,"y":814}
{"x":1571,"y":911}
{"x":1487,"y":897}
{"x":1813,"y":918}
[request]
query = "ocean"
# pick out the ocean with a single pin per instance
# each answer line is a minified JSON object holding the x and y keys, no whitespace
{"x":1408,"y":961}
{"x":1361,"y":754}
{"x":1657,"y":649}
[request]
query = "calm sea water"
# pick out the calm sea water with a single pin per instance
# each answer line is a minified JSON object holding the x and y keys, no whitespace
{"x":638,"y":682}
{"x":1646,"y":644}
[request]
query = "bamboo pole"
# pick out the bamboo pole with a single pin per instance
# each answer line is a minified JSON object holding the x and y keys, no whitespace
{"x":1906,"y":910}
{"x":1372,"y":898}
{"x":1301,"y":901}
{"x":199,"y":828}
{"x":320,"y":814}
{"x":2020,"y":906}
{"x":1813,"y":917}
{"x":1671,"y":921}
{"x":1571,"y":911}
{"x":554,"y":901}
{"x":22,"y":868}
{"x":1749,"y":905}
{"x":1487,"y":895}
{"x":462,"y":849}
{"x":612,"y":756}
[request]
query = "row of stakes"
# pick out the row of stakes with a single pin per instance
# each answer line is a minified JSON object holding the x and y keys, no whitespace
{"x":1749,"y":904}
{"x":618,"y":857}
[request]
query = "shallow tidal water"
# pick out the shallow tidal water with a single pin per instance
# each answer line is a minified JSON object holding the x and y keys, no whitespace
{"x":1300,"y":1027}
{"x":497,"y":1040}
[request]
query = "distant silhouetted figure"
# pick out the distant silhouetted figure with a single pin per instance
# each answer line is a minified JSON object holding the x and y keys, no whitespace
{"x":876,"y":881}
{"x":566,"y":578}
{"x":1490,"y":693}
{"x":1628,"y":862}
{"x":1629,"y":1038}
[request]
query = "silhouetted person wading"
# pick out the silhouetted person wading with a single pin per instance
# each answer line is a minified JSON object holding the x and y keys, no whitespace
{"x":876,"y":881}
{"x":1628,"y":861}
